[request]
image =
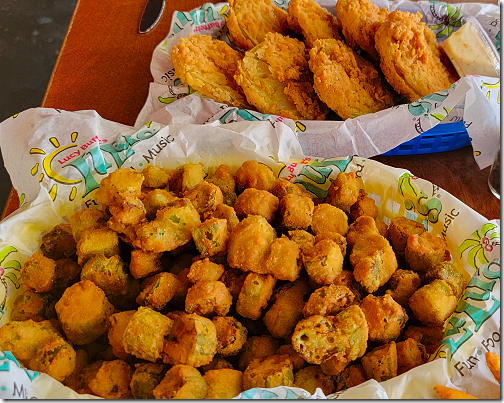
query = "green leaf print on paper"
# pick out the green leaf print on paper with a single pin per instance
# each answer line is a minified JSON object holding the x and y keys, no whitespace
{"x":483,"y":240}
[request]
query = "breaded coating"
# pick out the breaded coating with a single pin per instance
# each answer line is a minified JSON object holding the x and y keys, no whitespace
{"x":400,"y":229}
{"x":211,"y":237}
{"x":186,"y":177}
{"x":181,"y":382}
{"x":451,"y":273}
{"x":208,"y":66}
{"x":37,"y":306}
{"x":156,"y":177}
{"x":159,"y":289}
{"x":224,"y":179}
{"x":380,"y":363}
{"x":272,"y":371}
{"x":38,"y":273}
{"x":409,"y":56}
{"x":108,"y":273}
{"x":360,"y":19}
{"x":311,"y":377}
{"x":302,"y":238}
{"x":59,"y":242}
{"x":112,"y":380}
{"x":403,"y":284}
{"x":361,"y":227}
{"x":249,"y":21}
{"x":224,"y":383}
{"x":364,"y":205}
{"x":329,"y":218}
{"x":205,"y":269}
{"x":143,"y":264}
{"x":312,"y":21}
{"x":226,"y":212}
{"x":385,"y":317}
{"x":428,"y":336}
{"x":328,"y":300}
{"x":276,"y":79}
{"x":253,"y":174}
{"x":345,"y":81}
{"x":257,"y":347}
{"x":145,"y":378}
{"x":296,"y":212}
{"x":234,"y":279}
{"x":352,"y":375}
{"x":410,"y":354}
{"x":97,"y":241}
{"x":217,"y":362}
{"x":256,"y":202}
{"x":118,"y":322}
{"x":298,"y":362}
{"x":86,"y":219}
{"x":284,"y":259}
{"x":344,"y":191}
{"x":255,"y":294}
{"x":208,"y":298}
{"x":336,"y":237}
{"x":425,"y":251}
{"x":231,"y":335}
{"x":323,"y":261}
{"x":285,"y":187}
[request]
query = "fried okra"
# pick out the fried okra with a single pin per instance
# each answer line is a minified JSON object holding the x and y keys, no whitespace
{"x":204,"y":196}
{"x":410,"y":354}
{"x":171,"y":228}
{"x":334,"y":236}
{"x":302,"y":238}
{"x":159,"y":289}
{"x":205,"y":270}
{"x":425,"y":251}
{"x":224,"y":383}
{"x":256,"y":202}
{"x":298,"y":362}
{"x":146,"y":378}
{"x":311,"y":377}
{"x":81,"y":361}
{"x":255,"y":293}
{"x":156,"y":177}
{"x":33,"y":305}
{"x":145,"y":334}
{"x":361,"y":227}
{"x":433,"y":303}
{"x":226,"y":212}
{"x":192,"y":340}
{"x":344,"y":191}
{"x":286,"y":308}
{"x":403,"y":283}
{"x":217,"y":362}
{"x":108,"y":273}
{"x":253,"y":174}
{"x":385,"y":317}
{"x":234,"y":279}
{"x":118,"y":323}
{"x":224,"y":179}
{"x":86,"y":220}
{"x":257,"y":347}
{"x":231,"y":335}
{"x":284,"y":259}
{"x":328,"y":300}
{"x":186,"y":177}
{"x":352,"y":375}
{"x":211,"y":237}
{"x":58,"y":243}
{"x":156,"y":200}
{"x":143,"y":264}
{"x":364,"y":205}
{"x":270,"y":372}
{"x":323,"y":261}
{"x":250,"y":244}
{"x":380,"y":363}
{"x":112,"y":380}
{"x":181,"y":382}
{"x":38,"y":346}
{"x":84,"y":312}
{"x":400,"y":229}
{"x":296,"y":211}
{"x":121,"y":182}
{"x":284,"y":187}
{"x":38,"y":273}
{"x":451,"y":274}
{"x":208,"y":298}
{"x":428,"y":336}
{"x":97,"y":241}
{"x":329,"y":218}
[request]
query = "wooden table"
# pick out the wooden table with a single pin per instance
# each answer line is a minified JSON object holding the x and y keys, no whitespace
{"x":104,"y":64}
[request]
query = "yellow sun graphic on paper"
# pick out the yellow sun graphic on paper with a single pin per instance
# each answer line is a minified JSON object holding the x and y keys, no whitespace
{"x":47,"y":166}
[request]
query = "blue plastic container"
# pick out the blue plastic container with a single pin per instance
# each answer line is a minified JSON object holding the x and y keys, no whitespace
{"x":442,"y":137}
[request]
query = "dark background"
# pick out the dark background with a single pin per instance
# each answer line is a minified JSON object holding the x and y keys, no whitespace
{"x":31,"y":35}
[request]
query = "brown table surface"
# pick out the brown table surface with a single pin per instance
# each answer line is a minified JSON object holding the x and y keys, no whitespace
{"x":104,"y":65}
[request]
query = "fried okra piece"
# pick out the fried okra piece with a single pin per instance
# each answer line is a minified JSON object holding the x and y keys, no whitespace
{"x":156,"y":177}
{"x":181,"y":382}
{"x":59,"y":242}
{"x":208,"y":298}
{"x":211,"y":237}
{"x":67,"y":273}
{"x":320,"y":338}
{"x":143,"y":264}
{"x":231,"y":335}
{"x":433,"y":303}
{"x":192,"y":340}
{"x":374,"y":261}
{"x":224,"y":179}
{"x":380,"y":363}
{"x":217,"y":362}
{"x":255,"y":294}
{"x":121,"y":182}
{"x":347,"y":279}
{"x":298,"y":362}
{"x":284,"y":187}
{"x":344,"y":191}
{"x":361,"y":227}
{"x":39,"y":347}
{"x":234,"y":279}
{"x":296,"y":212}
{"x":256,"y":202}
{"x":250,"y":244}
{"x":352,"y":375}
{"x":205,"y":270}
{"x":108,"y":273}
{"x":328,"y":300}
{"x":451,"y":273}
{"x":158,"y":290}
{"x":84,"y":312}
{"x":145,"y":334}
{"x":156,"y":200}
{"x":226,"y":212}
{"x":425,"y":251}
{"x":284,"y":259}
{"x":323,"y":261}
{"x":410,"y":354}
{"x":385,"y":317}
{"x":186,"y":177}
{"x":97,"y":241}
{"x":328,"y":218}
{"x":204,"y":196}
{"x":146,"y":377}
{"x":39,"y":273}
{"x":81,"y":361}
{"x":403,"y":283}
{"x":286,"y":308}
{"x":364,"y":205}
{"x":118,"y":323}
{"x":112,"y":380}
{"x":126,"y":210}
{"x":224,"y":383}
{"x":302,"y":238}
{"x":33,"y":305}
{"x":429,"y":336}
{"x":334,"y":236}
{"x":253,"y":174}
{"x":269,"y":372}
{"x":257,"y":347}
{"x":85,"y":220}
{"x":171,"y":228}
{"x":311,"y":377}
{"x":400,"y":229}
